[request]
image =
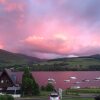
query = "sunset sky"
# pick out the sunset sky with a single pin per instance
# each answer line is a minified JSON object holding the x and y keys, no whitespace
{"x":50,"y":28}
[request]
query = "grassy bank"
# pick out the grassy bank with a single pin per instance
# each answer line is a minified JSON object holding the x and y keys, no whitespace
{"x":72,"y":96}
{"x":78,"y":91}
{"x":79,"y":99}
{"x":72,"y":92}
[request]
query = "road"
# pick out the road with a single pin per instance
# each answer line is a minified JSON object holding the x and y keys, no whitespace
{"x":66,"y":97}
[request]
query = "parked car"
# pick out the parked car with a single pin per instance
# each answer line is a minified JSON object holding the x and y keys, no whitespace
{"x":54,"y":96}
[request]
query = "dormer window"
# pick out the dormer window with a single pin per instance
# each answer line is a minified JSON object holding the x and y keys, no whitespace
{"x":7,"y":81}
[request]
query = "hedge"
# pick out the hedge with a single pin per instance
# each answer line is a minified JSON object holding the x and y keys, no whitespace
{"x":6,"y":97}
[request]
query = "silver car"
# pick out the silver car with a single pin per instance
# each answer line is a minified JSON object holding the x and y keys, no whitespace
{"x":54,"y":96}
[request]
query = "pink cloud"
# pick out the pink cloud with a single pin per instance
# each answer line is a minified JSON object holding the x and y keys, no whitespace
{"x":1,"y":46}
{"x":13,"y":7}
{"x":55,"y":37}
{"x":57,"y":27}
{"x":3,"y":1}
{"x":54,"y":46}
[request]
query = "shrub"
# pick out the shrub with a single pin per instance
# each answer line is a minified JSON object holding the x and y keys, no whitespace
{"x":1,"y":97}
{"x":6,"y":97}
{"x":49,"y":87}
{"x":43,"y":88}
{"x":9,"y":97}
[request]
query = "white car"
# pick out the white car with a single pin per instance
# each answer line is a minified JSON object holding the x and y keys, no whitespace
{"x":54,"y":96}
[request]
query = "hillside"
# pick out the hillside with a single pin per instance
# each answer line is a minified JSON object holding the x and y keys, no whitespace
{"x":8,"y":59}
{"x":19,"y":61}
{"x":90,"y":63}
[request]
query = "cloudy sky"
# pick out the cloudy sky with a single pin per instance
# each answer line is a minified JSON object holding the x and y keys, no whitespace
{"x":50,"y":28}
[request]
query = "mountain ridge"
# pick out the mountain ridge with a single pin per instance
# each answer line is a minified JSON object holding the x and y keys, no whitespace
{"x":19,"y":61}
{"x":97,"y":56}
{"x":10,"y":59}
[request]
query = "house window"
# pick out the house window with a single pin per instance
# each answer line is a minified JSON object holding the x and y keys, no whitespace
{"x":2,"y":81}
{"x":7,"y":81}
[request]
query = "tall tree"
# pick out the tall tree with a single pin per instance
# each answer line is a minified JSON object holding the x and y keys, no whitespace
{"x":29,"y":85}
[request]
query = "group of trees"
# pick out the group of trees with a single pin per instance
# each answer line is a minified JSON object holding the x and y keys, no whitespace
{"x":29,"y":85}
{"x":55,"y":67}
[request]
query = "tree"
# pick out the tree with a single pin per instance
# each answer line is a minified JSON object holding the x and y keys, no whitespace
{"x":36,"y":87}
{"x":43,"y":88}
{"x":29,"y":85}
{"x":50,"y":87}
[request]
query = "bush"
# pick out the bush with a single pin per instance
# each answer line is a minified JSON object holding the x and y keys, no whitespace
{"x":49,"y":87}
{"x":1,"y":97}
{"x":9,"y":97}
{"x":6,"y":97}
{"x":43,"y":88}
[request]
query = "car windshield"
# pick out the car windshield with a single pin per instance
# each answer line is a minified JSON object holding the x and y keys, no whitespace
{"x":54,"y":95}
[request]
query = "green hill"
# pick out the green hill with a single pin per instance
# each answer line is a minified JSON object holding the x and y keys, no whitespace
{"x":19,"y":61}
{"x":86,"y":63}
{"x":8,"y":59}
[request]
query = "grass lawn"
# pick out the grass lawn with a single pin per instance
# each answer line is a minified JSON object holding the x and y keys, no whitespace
{"x":46,"y":94}
{"x":79,"y":99}
{"x":83,"y":91}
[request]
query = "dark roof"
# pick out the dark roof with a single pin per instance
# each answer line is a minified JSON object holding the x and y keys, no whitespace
{"x":0,"y":73}
{"x":9,"y":73}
